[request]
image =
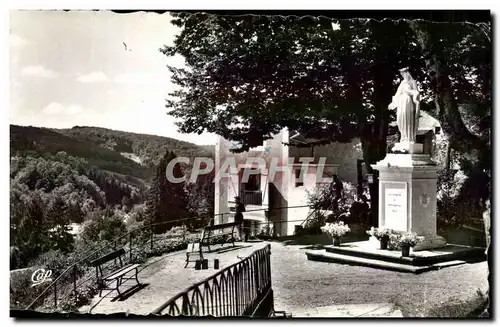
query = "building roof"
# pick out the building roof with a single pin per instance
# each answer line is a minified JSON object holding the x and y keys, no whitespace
{"x":425,"y":123}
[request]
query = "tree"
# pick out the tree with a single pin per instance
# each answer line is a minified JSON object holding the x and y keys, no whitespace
{"x":448,"y":48}
{"x":166,"y":200}
{"x":29,"y":230}
{"x":201,"y":194}
{"x":126,"y":203}
{"x":57,"y":217}
{"x":154,"y":196}
{"x":247,"y":77}
{"x":175,"y":194}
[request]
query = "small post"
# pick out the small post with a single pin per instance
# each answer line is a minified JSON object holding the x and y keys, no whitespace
{"x":74,"y":280}
{"x":55,"y":295}
{"x":151,"y":238}
{"x":130,"y":246}
{"x":114,"y":249}
{"x":204,"y":264}
{"x":197,"y":265}
{"x":216,"y":263}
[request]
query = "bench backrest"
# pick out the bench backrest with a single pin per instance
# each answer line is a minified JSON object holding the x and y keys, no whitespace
{"x":221,"y":226}
{"x":108,"y":257}
{"x":193,"y":247}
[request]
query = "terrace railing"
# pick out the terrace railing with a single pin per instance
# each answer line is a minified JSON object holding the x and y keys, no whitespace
{"x":65,"y":284}
{"x":242,"y":289}
{"x":137,"y":240}
{"x":251,"y":197}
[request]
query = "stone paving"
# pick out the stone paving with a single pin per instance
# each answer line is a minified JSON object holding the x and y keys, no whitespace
{"x":367,"y":310}
{"x":165,"y":277}
{"x":307,"y":288}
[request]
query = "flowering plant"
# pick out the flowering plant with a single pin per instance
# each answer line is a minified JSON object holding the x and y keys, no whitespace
{"x":337,"y":229}
{"x":379,"y":232}
{"x":409,"y":239}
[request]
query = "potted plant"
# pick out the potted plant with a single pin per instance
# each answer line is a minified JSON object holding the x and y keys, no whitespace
{"x":407,"y":241}
{"x":336,"y":230}
{"x":382,"y":234}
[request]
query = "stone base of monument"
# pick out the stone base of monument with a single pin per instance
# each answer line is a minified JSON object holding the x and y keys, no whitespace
{"x":366,"y":254}
{"x":430,"y":242}
{"x":408,"y":195}
{"x":408,"y":147}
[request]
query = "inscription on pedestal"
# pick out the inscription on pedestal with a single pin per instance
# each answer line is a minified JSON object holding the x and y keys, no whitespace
{"x":395,"y":208}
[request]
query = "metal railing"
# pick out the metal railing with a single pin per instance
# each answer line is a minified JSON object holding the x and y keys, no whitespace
{"x":134,"y":241}
{"x":236,"y":290}
{"x":251,"y":197}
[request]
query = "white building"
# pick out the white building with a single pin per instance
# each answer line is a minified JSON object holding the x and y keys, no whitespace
{"x":282,"y":200}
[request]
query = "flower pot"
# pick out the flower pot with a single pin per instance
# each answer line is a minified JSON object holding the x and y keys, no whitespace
{"x":336,"y":241}
{"x":383,"y":242}
{"x":405,"y":250}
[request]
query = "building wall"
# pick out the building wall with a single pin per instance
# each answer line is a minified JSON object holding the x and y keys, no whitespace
{"x":221,"y":186}
{"x":345,"y":155}
{"x":278,"y":187}
{"x":282,"y":192}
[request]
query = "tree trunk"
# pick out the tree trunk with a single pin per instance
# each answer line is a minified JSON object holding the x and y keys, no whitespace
{"x":460,"y":137}
{"x":447,"y":159}
{"x":374,"y":135}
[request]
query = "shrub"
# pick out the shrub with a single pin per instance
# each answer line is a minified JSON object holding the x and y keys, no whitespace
{"x":314,"y":223}
{"x":16,"y":259}
{"x":103,"y":227}
{"x":21,"y":292}
{"x":265,"y":231}
{"x":54,"y":260}
{"x":321,"y":198}
{"x":393,"y":243}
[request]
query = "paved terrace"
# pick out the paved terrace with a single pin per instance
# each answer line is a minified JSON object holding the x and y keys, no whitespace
{"x":307,"y":288}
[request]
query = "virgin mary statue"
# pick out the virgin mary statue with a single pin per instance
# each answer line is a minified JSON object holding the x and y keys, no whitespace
{"x":407,"y":103}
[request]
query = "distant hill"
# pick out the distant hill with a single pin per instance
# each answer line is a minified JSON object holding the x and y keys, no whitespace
{"x":148,"y":149}
{"x":127,"y":154}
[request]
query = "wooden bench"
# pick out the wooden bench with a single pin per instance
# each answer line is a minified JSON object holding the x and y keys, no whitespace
{"x":195,"y":249}
{"x":118,"y":275}
{"x":208,"y":232}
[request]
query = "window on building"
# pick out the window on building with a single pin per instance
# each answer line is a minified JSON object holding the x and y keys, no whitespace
{"x":253,"y":183}
{"x":299,"y":181}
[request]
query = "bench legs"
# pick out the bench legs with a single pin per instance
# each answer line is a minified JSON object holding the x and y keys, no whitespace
{"x":119,"y":282}
{"x":136,"y":277}
{"x":187,"y":257}
{"x":208,"y":244}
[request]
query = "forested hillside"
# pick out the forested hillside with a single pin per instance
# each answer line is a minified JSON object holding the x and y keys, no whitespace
{"x":149,"y":148}
{"x":72,"y":188}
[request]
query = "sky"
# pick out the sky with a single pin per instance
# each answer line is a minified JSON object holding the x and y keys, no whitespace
{"x":72,"y":69}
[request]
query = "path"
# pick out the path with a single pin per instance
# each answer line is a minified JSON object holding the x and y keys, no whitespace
{"x":165,"y":277}
{"x":300,"y":284}
{"x":310,"y":288}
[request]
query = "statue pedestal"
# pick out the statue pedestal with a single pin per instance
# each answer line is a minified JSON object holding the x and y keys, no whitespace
{"x":408,"y":147}
{"x":407,"y":197}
